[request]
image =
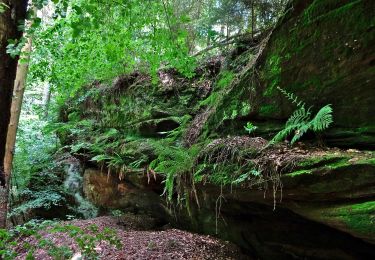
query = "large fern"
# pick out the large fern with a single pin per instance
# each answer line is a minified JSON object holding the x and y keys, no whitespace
{"x":173,"y":161}
{"x":300,"y":121}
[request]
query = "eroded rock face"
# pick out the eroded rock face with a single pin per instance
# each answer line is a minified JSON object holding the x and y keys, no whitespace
{"x":324,"y":52}
{"x":135,"y":193}
{"x":324,"y":210}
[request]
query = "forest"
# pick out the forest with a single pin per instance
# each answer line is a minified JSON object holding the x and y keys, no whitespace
{"x":187,"y":129}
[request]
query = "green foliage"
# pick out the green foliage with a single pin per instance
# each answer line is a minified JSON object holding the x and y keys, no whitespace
{"x":117,"y":213}
{"x":3,"y":7}
{"x":87,"y":40}
{"x":173,"y":162}
{"x":14,"y":47}
{"x":301,"y":120}
{"x":38,"y":200}
{"x":44,"y":191}
{"x":224,"y":80}
{"x":250,"y":128}
{"x":292,"y":97}
{"x":86,"y":239}
{"x":211,"y":100}
{"x":96,"y":41}
{"x":179,"y":131}
{"x":225,"y":162}
{"x":226,"y":77}
{"x":246,"y":176}
{"x":323,"y":119}
{"x":33,"y":150}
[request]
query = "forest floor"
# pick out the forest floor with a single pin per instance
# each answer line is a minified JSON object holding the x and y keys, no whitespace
{"x":137,"y":243}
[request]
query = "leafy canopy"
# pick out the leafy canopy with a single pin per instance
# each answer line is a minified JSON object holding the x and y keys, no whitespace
{"x":90,"y":40}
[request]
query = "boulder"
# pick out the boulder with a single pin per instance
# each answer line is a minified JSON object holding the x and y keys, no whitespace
{"x":136,"y":193}
{"x":324,"y":209}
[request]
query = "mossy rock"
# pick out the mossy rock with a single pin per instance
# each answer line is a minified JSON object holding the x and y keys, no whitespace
{"x":136,"y":192}
{"x":355,"y":218}
{"x":340,"y":73}
{"x":324,"y":52}
{"x":336,"y":189}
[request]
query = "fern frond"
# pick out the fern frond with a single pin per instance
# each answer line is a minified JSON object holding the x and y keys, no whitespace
{"x":280,"y":136}
{"x":323,"y":119}
{"x":300,"y":131}
{"x":292,"y":97}
{"x":173,"y":161}
{"x":299,"y":116}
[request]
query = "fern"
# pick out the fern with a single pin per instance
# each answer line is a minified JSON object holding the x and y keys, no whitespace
{"x":300,"y":121}
{"x":292,"y":97}
{"x":323,"y":119}
{"x":173,"y":161}
{"x":301,"y":129}
{"x":298,"y":116}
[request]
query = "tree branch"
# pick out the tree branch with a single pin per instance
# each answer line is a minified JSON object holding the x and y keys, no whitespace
{"x":230,"y":40}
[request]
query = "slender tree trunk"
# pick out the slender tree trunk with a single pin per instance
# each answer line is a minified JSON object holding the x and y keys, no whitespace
{"x":252,"y":19}
{"x":14,"y":11}
{"x":15,"y":112}
{"x":46,"y":98}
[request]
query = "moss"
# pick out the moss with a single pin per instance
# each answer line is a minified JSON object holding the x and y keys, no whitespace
{"x":231,"y":103}
{"x":332,"y":173}
{"x":267,"y":110}
{"x":340,"y":177}
{"x":358,"y":217}
{"x":328,"y":161}
{"x":367,"y":161}
{"x":226,"y":77}
{"x":274,"y":73}
{"x":324,"y":77}
{"x":313,"y":82}
{"x":211,"y":100}
{"x":317,"y":161}
{"x":246,"y":108}
{"x":320,"y":9}
{"x":298,"y":173}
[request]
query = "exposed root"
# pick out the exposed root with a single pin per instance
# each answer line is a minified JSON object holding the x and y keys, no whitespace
{"x":196,"y":126}
{"x":254,"y":164}
{"x":218,"y":208}
{"x":230,"y":148}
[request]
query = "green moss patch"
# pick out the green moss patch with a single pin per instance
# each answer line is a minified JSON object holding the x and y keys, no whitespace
{"x":358,"y":217}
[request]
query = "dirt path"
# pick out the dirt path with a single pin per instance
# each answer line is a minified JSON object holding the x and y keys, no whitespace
{"x":140,"y":244}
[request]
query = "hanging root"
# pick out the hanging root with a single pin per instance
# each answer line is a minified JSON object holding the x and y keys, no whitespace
{"x":218,"y":208}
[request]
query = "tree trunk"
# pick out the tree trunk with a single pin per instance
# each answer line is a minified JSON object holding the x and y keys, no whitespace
{"x":252,"y":18}
{"x":46,"y":98}
{"x":14,"y":11}
{"x":15,"y":112}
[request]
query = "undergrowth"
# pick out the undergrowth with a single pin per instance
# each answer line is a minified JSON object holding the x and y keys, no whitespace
{"x":19,"y":238}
